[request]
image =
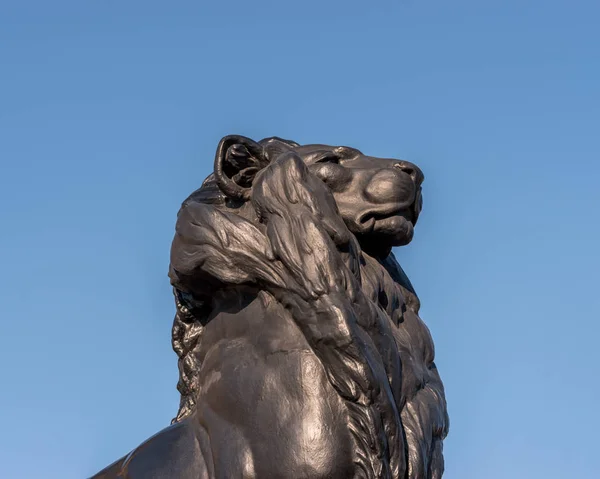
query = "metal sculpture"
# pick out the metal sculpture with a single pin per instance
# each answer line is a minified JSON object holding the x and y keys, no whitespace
{"x":301,"y":352}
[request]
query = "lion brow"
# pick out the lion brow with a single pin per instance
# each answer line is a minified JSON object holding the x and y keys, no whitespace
{"x":347,"y":152}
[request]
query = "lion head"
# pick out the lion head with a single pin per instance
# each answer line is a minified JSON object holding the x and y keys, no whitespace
{"x":313,"y":226}
{"x":379,"y":199}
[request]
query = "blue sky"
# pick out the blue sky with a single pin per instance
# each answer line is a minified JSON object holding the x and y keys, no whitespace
{"x":110,"y":112}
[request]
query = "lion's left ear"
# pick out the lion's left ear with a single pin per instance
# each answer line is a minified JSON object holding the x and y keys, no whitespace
{"x":237,"y":161}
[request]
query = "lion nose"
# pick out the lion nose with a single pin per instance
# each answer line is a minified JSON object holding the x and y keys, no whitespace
{"x":412,"y":170}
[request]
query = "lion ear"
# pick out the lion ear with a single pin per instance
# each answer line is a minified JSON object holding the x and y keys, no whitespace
{"x":237,"y":161}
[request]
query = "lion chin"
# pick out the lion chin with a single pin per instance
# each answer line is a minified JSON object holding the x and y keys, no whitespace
{"x":398,"y":229}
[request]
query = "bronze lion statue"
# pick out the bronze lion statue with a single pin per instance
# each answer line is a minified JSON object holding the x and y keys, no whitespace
{"x":301,"y":352}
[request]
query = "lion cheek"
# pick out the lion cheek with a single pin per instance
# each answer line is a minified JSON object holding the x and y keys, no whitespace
{"x":389,"y":186}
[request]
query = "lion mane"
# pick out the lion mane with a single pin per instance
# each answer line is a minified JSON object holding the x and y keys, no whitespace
{"x":289,"y":241}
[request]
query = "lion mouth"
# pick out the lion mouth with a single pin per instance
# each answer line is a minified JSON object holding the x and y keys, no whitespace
{"x":368,"y":220}
{"x":417,"y":206}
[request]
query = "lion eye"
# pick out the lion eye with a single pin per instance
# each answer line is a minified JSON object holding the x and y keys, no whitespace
{"x":328,"y":158}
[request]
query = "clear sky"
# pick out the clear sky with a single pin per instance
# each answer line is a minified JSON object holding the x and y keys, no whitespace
{"x":110,"y":113}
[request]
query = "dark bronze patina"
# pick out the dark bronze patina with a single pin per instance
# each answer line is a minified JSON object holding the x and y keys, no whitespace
{"x":301,"y":352}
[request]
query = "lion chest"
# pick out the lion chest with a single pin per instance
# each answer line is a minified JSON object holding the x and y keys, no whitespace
{"x":264,"y":394}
